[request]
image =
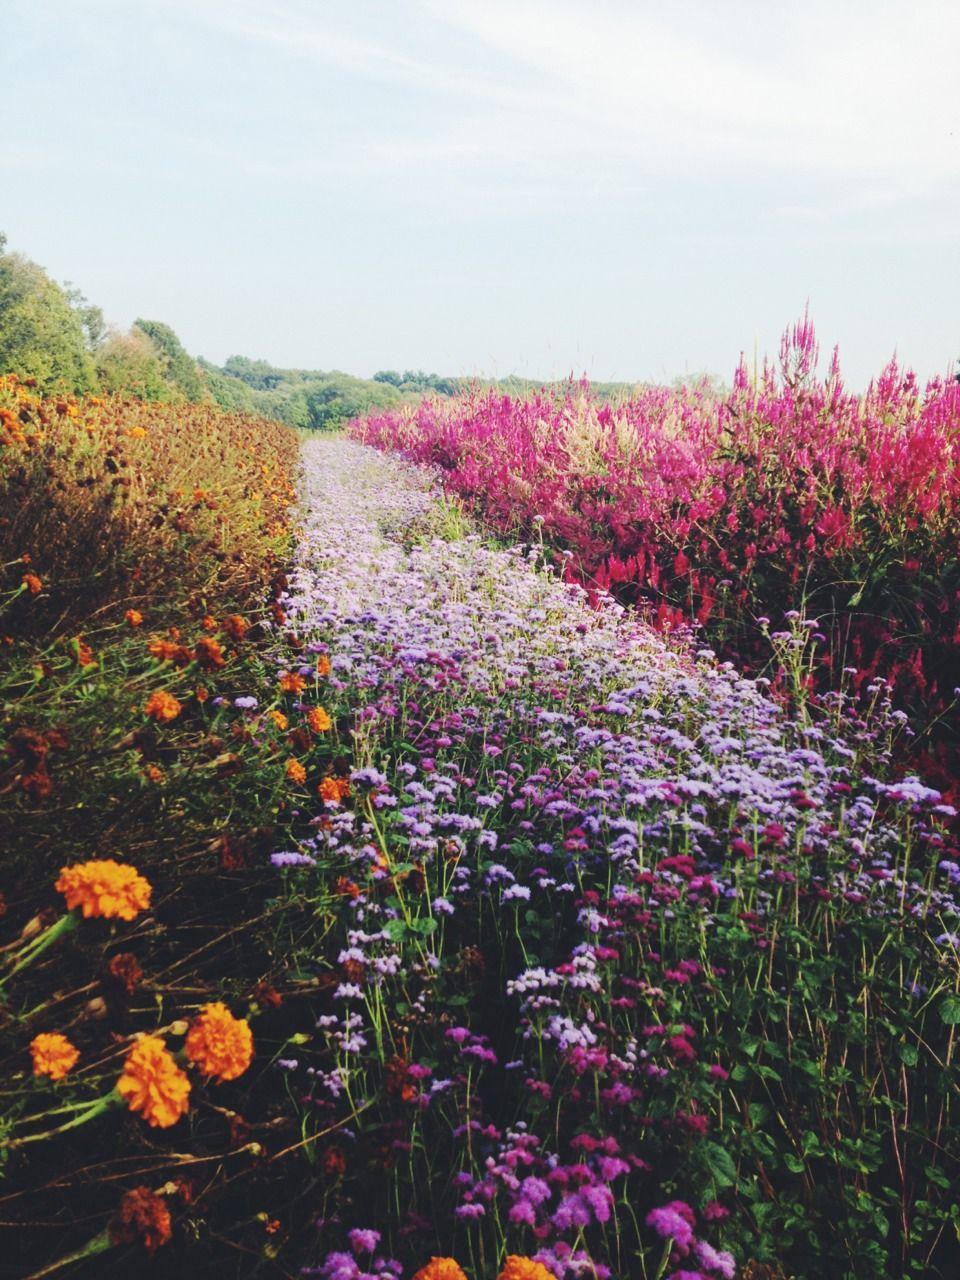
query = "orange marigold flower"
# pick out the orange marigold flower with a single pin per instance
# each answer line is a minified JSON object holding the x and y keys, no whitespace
{"x":162,"y":707}
{"x":333,"y":790}
{"x":153,"y":1084}
{"x":323,"y":665}
{"x":32,"y":583}
{"x":134,"y":617}
{"x":105,"y":888}
{"x":208,"y":623}
{"x":53,"y":1055}
{"x":296,"y":772}
{"x":441,"y":1269}
{"x":292,"y":683}
{"x":83,"y":653}
{"x":235,"y":626}
{"x":279,"y":719}
{"x":162,"y":650}
{"x":208,"y":653}
{"x":318,"y":720}
{"x":220,"y":1044}
{"x":517,"y":1268}
{"x":142,"y":1217}
{"x":154,"y":773}
{"x":201,"y":694}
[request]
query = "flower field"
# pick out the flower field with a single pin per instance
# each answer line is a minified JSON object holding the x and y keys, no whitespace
{"x":380,"y":904}
{"x":725,"y":510}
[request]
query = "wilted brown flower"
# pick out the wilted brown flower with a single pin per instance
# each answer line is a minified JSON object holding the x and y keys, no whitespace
{"x":143,"y":1217}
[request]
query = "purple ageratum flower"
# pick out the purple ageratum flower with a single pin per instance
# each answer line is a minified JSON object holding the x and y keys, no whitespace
{"x":339,"y":1266}
{"x":671,"y":1224}
{"x":246,"y":703}
{"x":368,"y":778}
{"x":718,"y":1261}
{"x":363,"y":1240}
{"x":292,"y":859}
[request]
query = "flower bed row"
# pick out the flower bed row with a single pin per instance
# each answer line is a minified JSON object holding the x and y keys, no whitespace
{"x":720,"y":510}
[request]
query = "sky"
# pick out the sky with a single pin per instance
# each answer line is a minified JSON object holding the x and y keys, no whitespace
{"x":629,"y":190}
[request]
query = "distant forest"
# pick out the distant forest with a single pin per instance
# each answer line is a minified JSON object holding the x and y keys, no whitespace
{"x":51,"y":334}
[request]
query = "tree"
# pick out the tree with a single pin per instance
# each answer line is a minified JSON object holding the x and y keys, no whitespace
{"x":129,"y":364}
{"x":179,"y":369}
{"x":41,"y":335}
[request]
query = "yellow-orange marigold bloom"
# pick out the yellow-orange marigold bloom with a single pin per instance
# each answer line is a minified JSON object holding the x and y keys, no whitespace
{"x":322,"y":665}
{"x":137,"y":433}
{"x":333,"y":790}
{"x":32,"y":583}
{"x":292,"y":683}
{"x":162,"y":706}
{"x":517,"y":1268}
{"x":296,"y":772}
{"x":441,"y":1269}
{"x":153,"y":1084}
{"x":279,"y":719}
{"x":318,"y":720}
{"x":103,"y":887}
{"x":209,"y":623}
{"x":53,"y":1055}
{"x":134,"y":617}
{"x":162,"y":650}
{"x":220,"y":1044}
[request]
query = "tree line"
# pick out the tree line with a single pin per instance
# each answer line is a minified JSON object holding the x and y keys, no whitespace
{"x":53,"y":335}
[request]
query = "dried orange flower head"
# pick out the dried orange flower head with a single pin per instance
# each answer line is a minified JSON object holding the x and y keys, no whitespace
{"x":208,"y":653}
{"x":32,"y":583}
{"x":142,"y":1217}
{"x":220,"y":1044}
{"x":134,"y":617}
{"x":209,"y":623}
{"x":161,"y":706}
{"x":517,"y":1268}
{"x":53,"y":1055}
{"x":153,"y":1084}
{"x":292,"y":683}
{"x":441,"y":1269}
{"x":322,"y":665}
{"x":103,"y":887}
{"x":235,"y":626}
{"x":318,"y":720}
{"x":296,"y":772}
{"x":524,"y":1269}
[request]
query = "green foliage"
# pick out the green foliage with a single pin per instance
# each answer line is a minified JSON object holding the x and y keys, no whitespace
{"x":41,"y":335}
{"x":129,"y":364}
{"x":179,"y":369}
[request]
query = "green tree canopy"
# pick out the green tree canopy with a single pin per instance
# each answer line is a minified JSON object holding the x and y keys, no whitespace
{"x":41,"y":335}
{"x":179,"y":369}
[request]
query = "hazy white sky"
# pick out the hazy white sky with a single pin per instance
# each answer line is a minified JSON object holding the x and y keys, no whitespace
{"x":630,"y":189}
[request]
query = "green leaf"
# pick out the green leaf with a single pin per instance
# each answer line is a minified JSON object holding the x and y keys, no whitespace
{"x":908,"y":1055}
{"x":950,"y":1010}
{"x":719,"y":1163}
{"x":793,"y":1163}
